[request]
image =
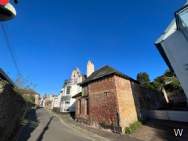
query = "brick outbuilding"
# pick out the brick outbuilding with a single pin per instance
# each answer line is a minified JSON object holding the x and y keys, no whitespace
{"x":109,"y":99}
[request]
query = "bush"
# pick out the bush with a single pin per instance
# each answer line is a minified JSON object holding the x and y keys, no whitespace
{"x":132,"y":128}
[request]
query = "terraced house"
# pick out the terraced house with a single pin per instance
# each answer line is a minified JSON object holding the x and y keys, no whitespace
{"x":110,"y":99}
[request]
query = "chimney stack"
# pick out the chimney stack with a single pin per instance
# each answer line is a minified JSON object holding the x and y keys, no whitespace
{"x":90,"y":68}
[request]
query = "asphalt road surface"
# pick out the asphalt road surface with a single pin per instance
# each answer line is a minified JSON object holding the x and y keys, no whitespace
{"x":40,"y":125}
{"x":49,"y":128}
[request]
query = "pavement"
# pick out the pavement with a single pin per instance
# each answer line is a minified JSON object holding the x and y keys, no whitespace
{"x":43,"y":125}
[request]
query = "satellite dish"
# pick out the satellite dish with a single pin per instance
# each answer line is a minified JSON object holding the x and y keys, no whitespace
{"x":7,"y":12}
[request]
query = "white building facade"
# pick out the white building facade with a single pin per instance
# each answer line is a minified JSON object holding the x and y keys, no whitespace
{"x":56,"y":101}
{"x":71,"y":87}
{"x":173,"y":46}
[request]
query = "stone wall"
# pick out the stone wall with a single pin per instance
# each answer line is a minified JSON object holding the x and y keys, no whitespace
{"x":12,"y":107}
{"x":148,"y":99}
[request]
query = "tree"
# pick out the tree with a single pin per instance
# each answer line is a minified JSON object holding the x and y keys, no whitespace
{"x":171,"y":80}
{"x":169,"y":73}
{"x":166,"y":83}
{"x":143,"y":78}
{"x":167,"y":79}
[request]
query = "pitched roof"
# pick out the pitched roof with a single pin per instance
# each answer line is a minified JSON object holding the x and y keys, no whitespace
{"x":4,"y":76}
{"x":103,"y":72}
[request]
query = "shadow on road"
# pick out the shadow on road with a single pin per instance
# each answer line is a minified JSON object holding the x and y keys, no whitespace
{"x":28,"y":125}
{"x":168,"y":127}
{"x":44,"y":130}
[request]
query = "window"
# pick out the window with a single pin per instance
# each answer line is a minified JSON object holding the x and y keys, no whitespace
{"x":87,"y":107}
{"x":67,"y":110}
{"x":67,"y":102}
{"x":79,"y":106}
{"x":68,"y":89}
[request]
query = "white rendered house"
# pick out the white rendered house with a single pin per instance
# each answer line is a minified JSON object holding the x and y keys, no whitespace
{"x":71,"y":87}
{"x":56,"y":101}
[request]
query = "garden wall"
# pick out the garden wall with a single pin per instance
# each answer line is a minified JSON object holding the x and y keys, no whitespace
{"x":12,"y":107}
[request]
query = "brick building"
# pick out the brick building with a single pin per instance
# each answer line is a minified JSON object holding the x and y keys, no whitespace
{"x":109,"y":99}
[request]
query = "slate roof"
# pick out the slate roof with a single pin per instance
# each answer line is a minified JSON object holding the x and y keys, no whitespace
{"x":104,"y":72}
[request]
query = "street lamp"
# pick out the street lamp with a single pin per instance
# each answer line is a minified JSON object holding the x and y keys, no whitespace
{"x":7,"y":10}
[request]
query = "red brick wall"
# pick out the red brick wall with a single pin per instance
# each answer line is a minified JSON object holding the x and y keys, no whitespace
{"x":102,"y":103}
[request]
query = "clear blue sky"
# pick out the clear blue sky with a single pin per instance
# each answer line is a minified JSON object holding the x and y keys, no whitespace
{"x":50,"y":38}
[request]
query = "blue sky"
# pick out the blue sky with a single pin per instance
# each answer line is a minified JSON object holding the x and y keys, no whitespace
{"x":50,"y":38}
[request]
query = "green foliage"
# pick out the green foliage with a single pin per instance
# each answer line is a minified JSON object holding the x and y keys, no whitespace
{"x":132,"y":128}
{"x":143,"y":78}
{"x":175,"y":84}
{"x":158,"y":82}
{"x":169,"y":73}
{"x":167,"y":80}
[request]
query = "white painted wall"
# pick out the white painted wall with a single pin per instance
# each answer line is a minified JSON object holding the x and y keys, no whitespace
{"x":176,"y":49}
{"x":42,"y":102}
{"x":67,"y":102}
{"x":56,"y":101}
{"x":70,"y":107}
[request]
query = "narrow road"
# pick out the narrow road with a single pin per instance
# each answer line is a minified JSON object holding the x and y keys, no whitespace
{"x":49,"y":128}
{"x":40,"y":125}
